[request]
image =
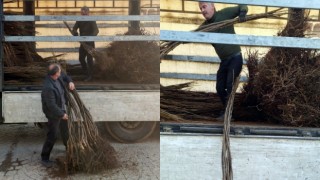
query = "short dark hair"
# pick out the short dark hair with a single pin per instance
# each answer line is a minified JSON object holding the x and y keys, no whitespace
{"x":85,"y":8}
{"x":54,"y":70}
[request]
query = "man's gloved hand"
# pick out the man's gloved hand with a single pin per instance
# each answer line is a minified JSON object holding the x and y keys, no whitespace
{"x":75,"y":34}
{"x":242,"y":16}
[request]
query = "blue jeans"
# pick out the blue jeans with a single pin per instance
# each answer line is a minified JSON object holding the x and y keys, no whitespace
{"x":229,"y":70}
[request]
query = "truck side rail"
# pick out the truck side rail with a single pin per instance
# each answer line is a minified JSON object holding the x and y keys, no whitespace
{"x":244,"y":40}
{"x":240,"y":130}
{"x":311,"y":4}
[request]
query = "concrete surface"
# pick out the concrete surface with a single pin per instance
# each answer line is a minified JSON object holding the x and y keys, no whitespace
{"x":20,"y":148}
{"x":194,"y":156}
{"x":118,"y":105}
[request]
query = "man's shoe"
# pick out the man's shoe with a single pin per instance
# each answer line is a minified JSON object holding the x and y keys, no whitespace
{"x":47,"y":163}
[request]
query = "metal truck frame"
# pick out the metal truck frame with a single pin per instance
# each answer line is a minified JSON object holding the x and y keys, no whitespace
{"x":258,"y":151}
{"x":131,"y":111}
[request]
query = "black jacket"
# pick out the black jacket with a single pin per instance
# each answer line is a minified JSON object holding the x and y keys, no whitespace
{"x":86,"y":28}
{"x":226,"y":50}
{"x":51,"y":98}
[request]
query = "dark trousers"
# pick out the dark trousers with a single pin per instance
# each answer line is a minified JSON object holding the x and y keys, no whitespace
{"x":229,"y":70}
{"x":87,"y":67}
{"x":53,"y":128}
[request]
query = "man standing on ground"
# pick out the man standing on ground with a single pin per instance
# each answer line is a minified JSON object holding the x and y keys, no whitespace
{"x":230,"y":55}
{"x":53,"y":100}
{"x":86,"y":28}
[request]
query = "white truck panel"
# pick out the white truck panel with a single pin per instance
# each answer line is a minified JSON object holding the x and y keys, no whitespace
{"x":194,"y":156}
{"x":119,"y":105}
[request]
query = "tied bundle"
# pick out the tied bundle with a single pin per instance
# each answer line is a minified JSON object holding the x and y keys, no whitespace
{"x":226,"y":159}
{"x":284,"y":84}
{"x":87,"y":151}
{"x":131,"y":61}
{"x":177,"y":103}
{"x":21,"y":62}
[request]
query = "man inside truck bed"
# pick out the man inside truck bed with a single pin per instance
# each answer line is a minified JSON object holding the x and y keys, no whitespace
{"x":230,"y":55}
{"x":53,"y":100}
{"x":86,"y":28}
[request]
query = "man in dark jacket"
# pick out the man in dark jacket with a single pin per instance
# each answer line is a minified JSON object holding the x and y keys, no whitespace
{"x":86,"y":28}
{"x":54,"y":107}
{"x":230,"y":55}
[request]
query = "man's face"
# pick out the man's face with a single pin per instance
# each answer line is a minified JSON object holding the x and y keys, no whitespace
{"x":58,"y":74}
{"x":84,"y":12}
{"x":207,"y":9}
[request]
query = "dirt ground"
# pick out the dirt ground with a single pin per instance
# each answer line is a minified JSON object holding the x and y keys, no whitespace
{"x":20,"y":148}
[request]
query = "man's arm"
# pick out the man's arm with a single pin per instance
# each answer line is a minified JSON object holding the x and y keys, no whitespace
{"x":67,"y":79}
{"x":95,"y":29}
{"x":233,"y":12}
{"x":75,"y":29}
{"x":243,"y":12}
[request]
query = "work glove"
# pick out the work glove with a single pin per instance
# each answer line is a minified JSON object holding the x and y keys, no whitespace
{"x":242,"y":16}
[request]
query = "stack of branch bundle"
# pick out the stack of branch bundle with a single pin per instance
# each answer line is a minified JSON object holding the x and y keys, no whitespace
{"x":16,"y":74}
{"x":21,"y":61}
{"x":284,"y":84}
{"x":166,"y":47}
{"x":130,"y":61}
{"x":87,"y":151}
{"x":188,"y":105}
{"x":32,"y":72}
{"x":177,"y":103}
{"x":18,"y":53}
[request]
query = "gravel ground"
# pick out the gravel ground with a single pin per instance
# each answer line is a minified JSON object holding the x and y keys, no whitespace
{"x":20,"y":148}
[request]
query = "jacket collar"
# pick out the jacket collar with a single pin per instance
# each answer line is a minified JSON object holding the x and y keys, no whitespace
{"x":212,"y":19}
{"x":53,"y":82}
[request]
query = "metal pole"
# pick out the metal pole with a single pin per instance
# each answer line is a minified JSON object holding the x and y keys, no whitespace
{"x":29,"y":9}
{"x":134,"y":9}
{"x":295,"y":26}
{"x":1,"y":57}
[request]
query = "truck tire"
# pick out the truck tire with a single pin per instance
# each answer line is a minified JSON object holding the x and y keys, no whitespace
{"x":131,"y":131}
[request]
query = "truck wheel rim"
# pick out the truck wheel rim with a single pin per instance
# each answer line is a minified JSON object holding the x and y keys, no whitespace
{"x":130,"y":125}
